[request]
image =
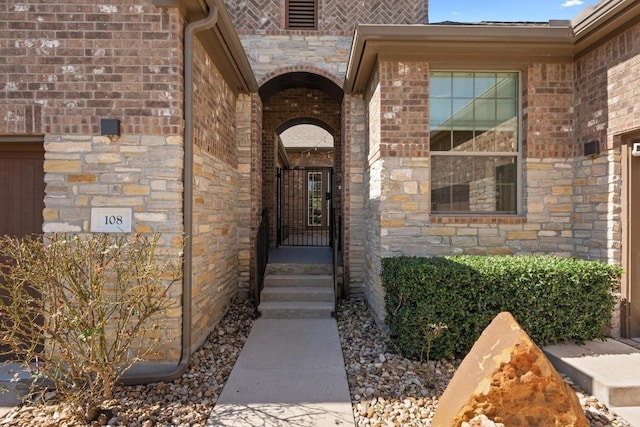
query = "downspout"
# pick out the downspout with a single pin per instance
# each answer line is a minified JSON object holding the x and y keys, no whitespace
{"x":189,"y":34}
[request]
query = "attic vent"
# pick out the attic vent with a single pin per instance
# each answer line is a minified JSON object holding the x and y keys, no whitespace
{"x":301,"y":14}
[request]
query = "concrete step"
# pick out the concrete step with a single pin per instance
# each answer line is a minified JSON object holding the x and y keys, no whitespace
{"x":283,"y":268}
{"x":298,"y":280}
{"x":608,"y":370}
{"x":297,"y":293}
{"x":296,"y":310}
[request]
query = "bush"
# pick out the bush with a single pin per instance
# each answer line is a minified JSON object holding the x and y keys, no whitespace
{"x":77,"y":312}
{"x":553,"y":299}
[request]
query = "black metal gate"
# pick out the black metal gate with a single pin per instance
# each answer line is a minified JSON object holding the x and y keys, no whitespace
{"x":304,"y":206}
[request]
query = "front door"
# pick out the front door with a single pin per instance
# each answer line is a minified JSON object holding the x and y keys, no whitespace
{"x":631,"y":242}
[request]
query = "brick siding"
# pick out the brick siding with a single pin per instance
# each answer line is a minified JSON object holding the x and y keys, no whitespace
{"x":334,"y":16}
{"x":69,"y":64}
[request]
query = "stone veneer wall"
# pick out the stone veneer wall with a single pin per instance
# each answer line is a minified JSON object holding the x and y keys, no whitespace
{"x":271,"y":55}
{"x":606,"y":98}
{"x":354,"y":125}
{"x":67,"y":65}
{"x":249,"y":146}
{"x":216,"y":197}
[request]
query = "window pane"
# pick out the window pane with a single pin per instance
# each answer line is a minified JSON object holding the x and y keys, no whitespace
{"x":474,"y":113}
{"x":439,"y":112}
{"x":485,"y":103}
{"x":506,"y":138}
{"x":463,"y":140}
{"x":485,"y":113}
{"x":314,"y":199}
{"x":507,"y":84}
{"x":441,"y":140}
{"x":462,"y":85}
{"x":473,"y":184}
{"x":462,"y":117}
{"x":440,"y":85}
{"x":485,"y":140}
{"x":485,"y":85}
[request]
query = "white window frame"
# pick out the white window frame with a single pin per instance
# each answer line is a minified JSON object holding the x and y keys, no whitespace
{"x":517,"y":154}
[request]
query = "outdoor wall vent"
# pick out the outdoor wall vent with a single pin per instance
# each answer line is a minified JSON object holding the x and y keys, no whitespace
{"x":592,"y":149}
{"x":301,"y":14}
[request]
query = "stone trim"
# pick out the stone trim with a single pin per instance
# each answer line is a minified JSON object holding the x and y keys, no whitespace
{"x":463,"y":219}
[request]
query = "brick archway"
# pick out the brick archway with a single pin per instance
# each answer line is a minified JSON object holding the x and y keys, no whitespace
{"x":299,"y":69}
{"x":298,"y":96}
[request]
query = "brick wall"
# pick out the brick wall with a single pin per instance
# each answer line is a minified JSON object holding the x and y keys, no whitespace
{"x":607,"y":83}
{"x":334,"y":16}
{"x":311,"y":159}
{"x":548,"y":158}
{"x":216,"y":197}
{"x":66,"y":65}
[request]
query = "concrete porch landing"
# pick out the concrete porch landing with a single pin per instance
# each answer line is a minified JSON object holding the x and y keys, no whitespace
{"x":289,"y":373}
{"x":608,"y":370}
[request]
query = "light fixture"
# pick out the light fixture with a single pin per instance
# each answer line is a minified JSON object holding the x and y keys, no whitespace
{"x":110,"y":128}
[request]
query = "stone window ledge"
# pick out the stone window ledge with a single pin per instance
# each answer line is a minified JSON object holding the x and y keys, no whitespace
{"x":472,"y":219}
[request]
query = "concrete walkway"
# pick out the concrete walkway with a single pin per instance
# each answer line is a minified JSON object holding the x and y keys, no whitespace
{"x":289,"y":373}
{"x":608,"y":370}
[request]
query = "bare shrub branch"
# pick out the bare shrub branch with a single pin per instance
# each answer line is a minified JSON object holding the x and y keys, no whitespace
{"x":77,"y":312}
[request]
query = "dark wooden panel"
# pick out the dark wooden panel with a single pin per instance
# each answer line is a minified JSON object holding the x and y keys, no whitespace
{"x":21,"y":192}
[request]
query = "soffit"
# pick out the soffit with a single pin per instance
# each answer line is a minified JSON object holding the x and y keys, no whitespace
{"x":221,"y":43}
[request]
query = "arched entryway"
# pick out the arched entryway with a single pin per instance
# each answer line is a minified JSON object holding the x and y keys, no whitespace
{"x":309,"y":105}
{"x":305,"y":185}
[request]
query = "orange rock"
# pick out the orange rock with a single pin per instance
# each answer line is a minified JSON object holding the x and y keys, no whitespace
{"x":506,"y":377}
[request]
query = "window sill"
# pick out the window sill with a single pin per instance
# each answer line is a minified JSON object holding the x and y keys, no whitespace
{"x":473,"y":219}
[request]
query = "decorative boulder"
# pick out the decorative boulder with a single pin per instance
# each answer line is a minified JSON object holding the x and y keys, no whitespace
{"x":507,"y":378}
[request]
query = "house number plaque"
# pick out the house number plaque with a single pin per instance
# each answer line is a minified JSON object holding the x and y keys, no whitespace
{"x":111,"y":220}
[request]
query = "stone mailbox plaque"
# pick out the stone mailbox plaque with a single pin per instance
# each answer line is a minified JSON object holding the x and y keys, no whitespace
{"x":111,"y":220}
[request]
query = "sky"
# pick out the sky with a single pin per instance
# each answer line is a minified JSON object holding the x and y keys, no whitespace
{"x":505,"y":10}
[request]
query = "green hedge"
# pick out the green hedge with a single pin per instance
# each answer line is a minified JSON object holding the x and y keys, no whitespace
{"x":553,"y":299}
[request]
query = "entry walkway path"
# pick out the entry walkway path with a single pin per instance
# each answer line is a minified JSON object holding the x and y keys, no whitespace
{"x":609,"y":370}
{"x":290,"y":373}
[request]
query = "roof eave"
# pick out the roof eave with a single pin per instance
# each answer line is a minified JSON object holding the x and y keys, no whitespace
{"x":600,"y":23}
{"x":221,"y":43}
{"x":455,"y":46}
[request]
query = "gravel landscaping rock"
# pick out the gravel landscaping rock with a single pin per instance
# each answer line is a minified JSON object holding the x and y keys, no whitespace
{"x":389,"y":390}
{"x":386,"y":389}
{"x":185,"y":402}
